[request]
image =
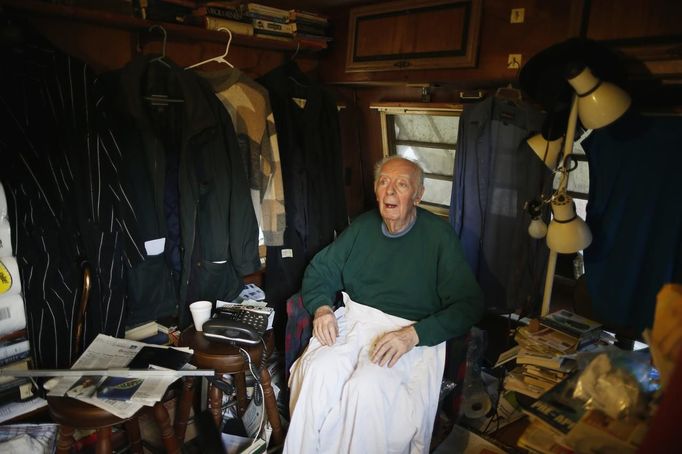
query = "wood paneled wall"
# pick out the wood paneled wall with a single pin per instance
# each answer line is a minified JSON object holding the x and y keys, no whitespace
{"x":108,"y":48}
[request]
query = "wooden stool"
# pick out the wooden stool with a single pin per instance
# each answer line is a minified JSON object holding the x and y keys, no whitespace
{"x":226,"y":359}
{"x":71,"y":413}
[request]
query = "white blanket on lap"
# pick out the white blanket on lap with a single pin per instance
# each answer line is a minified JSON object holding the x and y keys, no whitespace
{"x":341,"y":402}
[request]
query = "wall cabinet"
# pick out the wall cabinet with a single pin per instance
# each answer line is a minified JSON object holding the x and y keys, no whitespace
{"x":414,"y":34}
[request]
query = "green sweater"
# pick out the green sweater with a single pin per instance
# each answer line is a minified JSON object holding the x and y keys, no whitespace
{"x":421,"y":276}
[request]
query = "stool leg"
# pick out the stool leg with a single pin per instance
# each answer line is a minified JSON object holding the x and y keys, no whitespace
{"x":103,"y":440}
{"x":132,"y":426}
{"x":170,"y":443}
{"x":215,"y":399}
{"x":65,"y":440}
{"x":184,"y":406}
{"x":240,"y":388}
{"x":271,"y":407}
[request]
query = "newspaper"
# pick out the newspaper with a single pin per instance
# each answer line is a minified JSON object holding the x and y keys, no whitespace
{"x":106,"y":352}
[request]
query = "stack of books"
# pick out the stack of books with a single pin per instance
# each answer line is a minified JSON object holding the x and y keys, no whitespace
{"x":214,"y":15}
{"x":309,"y":26}
{"x":545,"y":351}
{"x":15,"y":349}
{"x":269,"y":22}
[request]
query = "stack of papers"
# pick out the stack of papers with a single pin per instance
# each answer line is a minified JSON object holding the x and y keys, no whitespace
{"x":107,"y":352}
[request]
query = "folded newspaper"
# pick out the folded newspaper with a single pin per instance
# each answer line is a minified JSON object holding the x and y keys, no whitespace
{"x":106,"y":352}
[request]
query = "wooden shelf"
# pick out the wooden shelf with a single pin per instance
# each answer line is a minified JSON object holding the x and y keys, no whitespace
{"x":175,"y":32}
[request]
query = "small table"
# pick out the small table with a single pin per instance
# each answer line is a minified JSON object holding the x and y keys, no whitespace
{"x":225,"y":358}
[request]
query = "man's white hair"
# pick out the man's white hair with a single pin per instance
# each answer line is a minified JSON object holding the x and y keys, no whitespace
{"x":417,"y":166}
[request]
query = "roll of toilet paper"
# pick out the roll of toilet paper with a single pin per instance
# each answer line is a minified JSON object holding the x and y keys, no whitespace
{"x":476,"y":405}
{"x":10,"y":284}
{"x":12,"y":314}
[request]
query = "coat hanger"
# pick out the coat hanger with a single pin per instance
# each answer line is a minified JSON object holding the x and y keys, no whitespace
{"x":161,"y":99}
{"x":220,"y":58}
{"x":295,"y":54}
{"x":162,"y":58}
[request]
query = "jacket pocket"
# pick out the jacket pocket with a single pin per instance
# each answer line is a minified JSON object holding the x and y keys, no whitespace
{"x":151,"y":291}
{"x":215,"y":281}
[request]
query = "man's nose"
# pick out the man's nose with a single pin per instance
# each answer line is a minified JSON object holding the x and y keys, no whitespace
{"x":390,"y":189}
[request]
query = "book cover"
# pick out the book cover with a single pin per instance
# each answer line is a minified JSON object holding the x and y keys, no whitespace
{"x":168,"y":358}
{"x":142,"y":331}
{"x":557,"y":408}
{"x":571,"y":323}
{"x":119,"y":388}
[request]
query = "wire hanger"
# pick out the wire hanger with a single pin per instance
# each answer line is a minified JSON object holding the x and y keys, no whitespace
{"x":298,"y":48}
{"x":220,"y":58}
{"x":162,"y":58}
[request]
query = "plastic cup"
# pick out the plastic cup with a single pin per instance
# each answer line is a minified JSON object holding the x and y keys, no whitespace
{"x":201,"y":311}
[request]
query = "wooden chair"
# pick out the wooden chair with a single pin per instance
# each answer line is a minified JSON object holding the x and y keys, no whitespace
{"x":226,"y":359}
{"x":73,"y":414}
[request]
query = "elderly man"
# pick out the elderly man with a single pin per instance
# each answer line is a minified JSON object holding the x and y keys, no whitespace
{"x":370,"y":378}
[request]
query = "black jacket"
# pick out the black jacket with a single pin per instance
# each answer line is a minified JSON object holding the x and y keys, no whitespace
{"x":187,"y":184}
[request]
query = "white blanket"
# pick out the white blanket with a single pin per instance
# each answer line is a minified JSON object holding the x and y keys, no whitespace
{"x":343,"y":403}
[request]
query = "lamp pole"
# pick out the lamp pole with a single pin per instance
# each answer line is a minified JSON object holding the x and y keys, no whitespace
{"x":563,"y":183}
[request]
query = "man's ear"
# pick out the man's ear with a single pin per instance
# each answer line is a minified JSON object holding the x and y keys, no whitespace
{"x":418,"y":196}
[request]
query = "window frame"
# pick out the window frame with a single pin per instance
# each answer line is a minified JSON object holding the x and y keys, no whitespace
{"x":389,"y":143}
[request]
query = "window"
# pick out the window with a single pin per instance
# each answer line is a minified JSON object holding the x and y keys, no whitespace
{"x":427,"y":134}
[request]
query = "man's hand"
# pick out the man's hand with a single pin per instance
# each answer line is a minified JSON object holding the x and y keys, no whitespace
{"x":325,"y":328}
{"x":394,"y":344}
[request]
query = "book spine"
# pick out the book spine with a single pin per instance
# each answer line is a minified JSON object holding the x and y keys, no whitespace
{"x":16,"y":357}
{"x":273,"y":26}
{"x":224,"y":13}
{"x":14,"y":382}
{"x":267,"y":10}
{"x":17,"y":393}
{"x":305,"y":28}
{"x":252,"y":15}
{"x":318,"y":22}
{"x":13,"y":348}
{"x":240,"y":28}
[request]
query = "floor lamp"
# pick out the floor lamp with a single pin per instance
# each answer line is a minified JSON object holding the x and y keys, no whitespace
{"x":596,"y":104}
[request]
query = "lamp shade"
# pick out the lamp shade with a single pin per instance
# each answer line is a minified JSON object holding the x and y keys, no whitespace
{"x":547,"y":150}
{"x":567,"y":233}
{"x":599,"y":103}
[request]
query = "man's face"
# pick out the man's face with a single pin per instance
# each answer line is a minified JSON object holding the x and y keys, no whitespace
{"x":397,"y":191}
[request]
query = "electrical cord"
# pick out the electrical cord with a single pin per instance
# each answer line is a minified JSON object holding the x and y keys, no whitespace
{"x":258,"y":391}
